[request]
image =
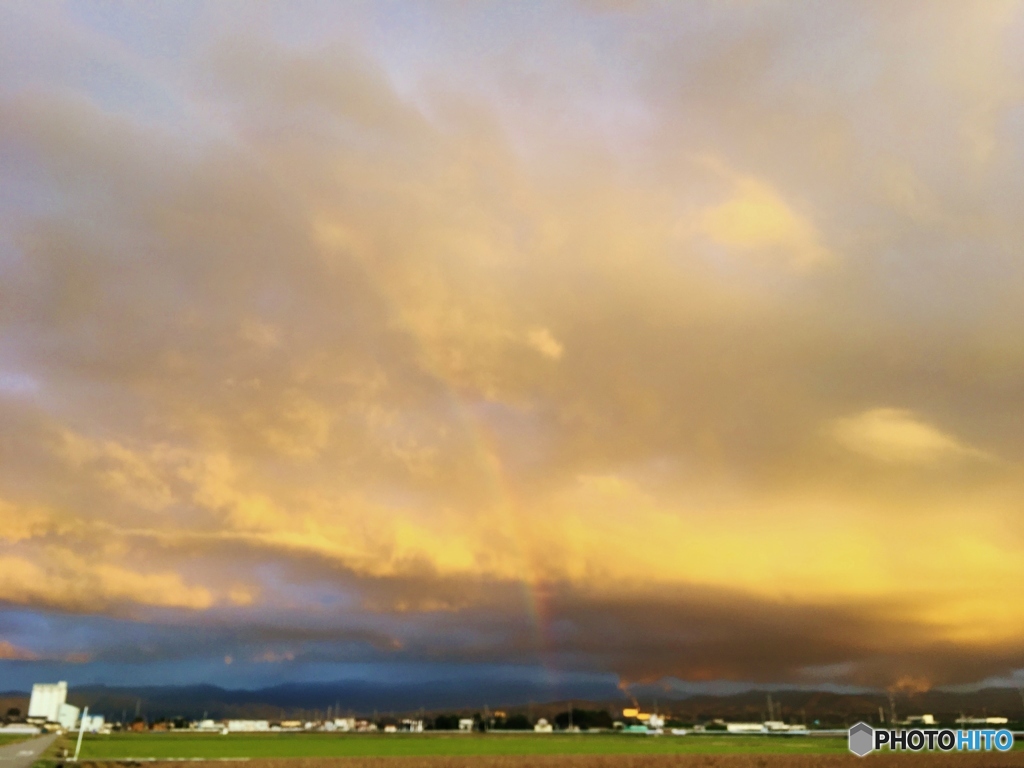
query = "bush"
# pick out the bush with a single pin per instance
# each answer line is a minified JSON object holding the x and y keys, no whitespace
{"x":584,"y":719}
{"x":518,"y":723}
{"x":446,"y":723}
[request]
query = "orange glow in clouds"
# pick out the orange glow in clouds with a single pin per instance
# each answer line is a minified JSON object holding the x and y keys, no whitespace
{"x":643,"y":362}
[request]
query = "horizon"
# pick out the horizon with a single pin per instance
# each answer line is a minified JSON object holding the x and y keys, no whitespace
{"x":584,"y":345}
{"x":310,"y":697}
{"x":818,"y":708}
{"x":720,"y":689}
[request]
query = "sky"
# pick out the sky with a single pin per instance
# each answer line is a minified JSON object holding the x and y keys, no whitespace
{"x":634,"y":344}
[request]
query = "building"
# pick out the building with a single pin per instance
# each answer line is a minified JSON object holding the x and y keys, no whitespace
{"x":745,"y":727}
{"x":543,"y":726}
{"x":67,"y":716}
{"x":466,"y":724}
{"x":20,"y":729}
{"x":982,"y":720}
{"x":93,"y":723}
{"x":778,"y":726}
{"x":643,"y":717}
{"x":46,"y":701}
{"x":411,"y":726}
{"x":248,"y":726}
{"x":921,"y":720}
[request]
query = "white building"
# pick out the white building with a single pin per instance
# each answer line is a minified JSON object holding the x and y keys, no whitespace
{"x":412,"y":726}
{"x":93,"y":723}
{"x":345,"y":723}
{"x":21,"y":729}
{"x":46,"y":701}
{"x":466,"y":724}
{"x":67,"y":716}
{"x":248,"y":726}
{"x":778,"y":726}
{"x":543,"y":726}
{"x":745,"y":728}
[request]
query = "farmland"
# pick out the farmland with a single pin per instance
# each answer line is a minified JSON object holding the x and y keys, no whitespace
{"x":124,"y":746}
{"x":443,"y":750}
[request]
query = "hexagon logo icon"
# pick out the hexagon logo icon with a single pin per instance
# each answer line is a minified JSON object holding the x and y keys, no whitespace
{"x":862,"y":739}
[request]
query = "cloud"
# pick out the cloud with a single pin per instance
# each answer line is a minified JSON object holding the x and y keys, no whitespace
{"x":10,"y":652}
{"x":383,"y":343}
{"x":72,"y":583}
{"x":899,"y":436}
{"x":756,"y":222}
{"x":546,"y":344}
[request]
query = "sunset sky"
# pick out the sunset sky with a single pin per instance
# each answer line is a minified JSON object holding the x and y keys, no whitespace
{"x":674,"y":343}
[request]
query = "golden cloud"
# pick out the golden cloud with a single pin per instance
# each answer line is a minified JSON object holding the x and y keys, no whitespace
{"x":344,"y":351}
{"x":896,"y":435}
{"x":757,"y":222}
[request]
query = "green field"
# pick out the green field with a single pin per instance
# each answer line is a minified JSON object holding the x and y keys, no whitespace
{"x":9,"y":738}
{"x":172,"y":745}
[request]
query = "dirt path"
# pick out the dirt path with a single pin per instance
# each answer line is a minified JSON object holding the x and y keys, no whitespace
{"x":22,"y":754}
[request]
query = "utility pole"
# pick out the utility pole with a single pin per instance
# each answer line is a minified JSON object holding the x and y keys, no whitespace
{"x":81,"y":730}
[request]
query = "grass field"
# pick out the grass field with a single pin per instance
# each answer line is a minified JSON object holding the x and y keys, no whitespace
{"x":9,"y":738}
{"x":302,"y":745}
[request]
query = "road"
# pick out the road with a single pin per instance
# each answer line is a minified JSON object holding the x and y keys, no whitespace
{"x":23,"y":753}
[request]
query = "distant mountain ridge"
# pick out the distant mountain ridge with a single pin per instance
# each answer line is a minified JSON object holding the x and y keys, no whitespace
{"x":311,"y":700}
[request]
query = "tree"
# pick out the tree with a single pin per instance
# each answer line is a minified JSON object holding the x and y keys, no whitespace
{"x":585,"y":719}
{"x":518,"y":723}
{"x":446,"y":723}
